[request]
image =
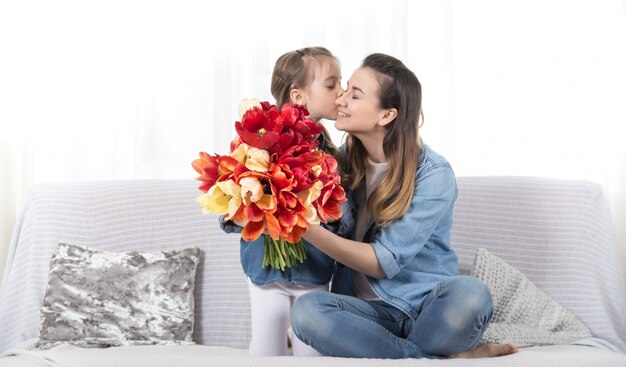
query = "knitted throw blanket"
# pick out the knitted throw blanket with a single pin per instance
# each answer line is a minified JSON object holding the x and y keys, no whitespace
{"x":523,"y":314}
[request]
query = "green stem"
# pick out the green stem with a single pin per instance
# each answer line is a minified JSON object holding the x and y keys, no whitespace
{"x":280,"y":254}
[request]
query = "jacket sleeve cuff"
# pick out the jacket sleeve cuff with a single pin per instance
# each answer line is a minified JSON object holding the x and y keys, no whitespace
{"x":228,"y":226}
{"x":386,"y":260}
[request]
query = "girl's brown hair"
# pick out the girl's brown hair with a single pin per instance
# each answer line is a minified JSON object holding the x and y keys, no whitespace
{"x":399,"y":89}
{"x":295,"y":70}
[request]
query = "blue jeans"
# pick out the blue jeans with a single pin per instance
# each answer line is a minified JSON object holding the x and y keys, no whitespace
{"x":452,"y":320}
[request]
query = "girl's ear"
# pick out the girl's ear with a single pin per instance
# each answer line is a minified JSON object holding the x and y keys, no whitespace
{"x":296,"y":96}
{"x":388,"y":116}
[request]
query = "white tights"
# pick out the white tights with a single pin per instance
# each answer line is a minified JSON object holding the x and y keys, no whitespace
{"x":270,"y":309}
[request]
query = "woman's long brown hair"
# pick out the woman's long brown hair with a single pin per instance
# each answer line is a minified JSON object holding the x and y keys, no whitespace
{"x":399,"y":89}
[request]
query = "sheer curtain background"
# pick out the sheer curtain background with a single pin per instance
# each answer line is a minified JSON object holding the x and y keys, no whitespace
{"x":135,"y":89}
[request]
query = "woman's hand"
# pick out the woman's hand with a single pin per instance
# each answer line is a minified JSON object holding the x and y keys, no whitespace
{"x":359,"y":256}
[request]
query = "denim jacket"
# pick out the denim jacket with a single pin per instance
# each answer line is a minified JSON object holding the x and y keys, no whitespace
{"x":317,"y":269}
{"x":414,"y":251}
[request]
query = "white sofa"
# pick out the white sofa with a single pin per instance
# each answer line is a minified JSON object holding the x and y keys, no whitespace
{"x":557,"y":232}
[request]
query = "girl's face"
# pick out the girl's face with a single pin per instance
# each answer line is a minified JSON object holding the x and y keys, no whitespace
{"x":359,"y":111}
{"x":319,"y":97}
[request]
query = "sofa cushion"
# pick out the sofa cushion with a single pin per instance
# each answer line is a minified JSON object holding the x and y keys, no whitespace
{"x":523,"y":314}
{"x":97,"y":298}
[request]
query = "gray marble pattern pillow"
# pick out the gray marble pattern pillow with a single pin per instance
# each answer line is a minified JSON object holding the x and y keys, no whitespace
{"x":101,"y":299}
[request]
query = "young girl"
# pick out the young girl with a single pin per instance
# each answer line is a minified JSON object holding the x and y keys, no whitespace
{"x":310,"y":77}
{"x":396,"y":291}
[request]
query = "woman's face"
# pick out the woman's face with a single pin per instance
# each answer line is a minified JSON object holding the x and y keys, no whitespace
{"x":359,"y":111}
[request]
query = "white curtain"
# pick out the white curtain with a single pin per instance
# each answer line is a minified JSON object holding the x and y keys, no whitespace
{"x":98,"y":90}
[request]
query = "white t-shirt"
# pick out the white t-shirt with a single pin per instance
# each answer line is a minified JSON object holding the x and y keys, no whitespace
{"x":373,"y":175}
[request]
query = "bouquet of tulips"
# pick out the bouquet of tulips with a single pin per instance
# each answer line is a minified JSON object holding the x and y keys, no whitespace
{"x":274,"y":182}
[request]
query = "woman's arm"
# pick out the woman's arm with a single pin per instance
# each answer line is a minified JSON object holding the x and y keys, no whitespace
{"x":359,"y":256}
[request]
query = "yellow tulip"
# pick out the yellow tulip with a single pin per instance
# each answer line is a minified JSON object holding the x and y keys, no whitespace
{"x":307,"y":197}
{"x":223,"y":198}
{"x":241,"y":153}
{"x":258,"y":160}
{"x":253,"y":158}
{"x":267,"y":202}
{"x":251,"y":190}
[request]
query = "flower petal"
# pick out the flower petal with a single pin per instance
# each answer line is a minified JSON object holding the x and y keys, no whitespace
{"x":229,"y":187}
{"x":272,"y":225}
{"x":227,"y":164}
{"x":214,"y":201}
{"x":287,"y":219}
{"x":241,"y":153}
{"x":207,"y":167}
{"x":295,"y":235}
{"x":233,"y":206}
{"x":258,"y":160}
{"x":252,"y":231}
{"x":253,"y":213}
{"x":251,"y":190}
{"x":311,"y":215}
{"x":267,"y":203}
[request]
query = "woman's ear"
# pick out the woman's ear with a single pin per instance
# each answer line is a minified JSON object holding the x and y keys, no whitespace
{"x":388,"y":116}
{"x":296,"y":96}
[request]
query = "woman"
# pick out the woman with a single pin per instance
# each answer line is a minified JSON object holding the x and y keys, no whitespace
{"x":396,"y":289}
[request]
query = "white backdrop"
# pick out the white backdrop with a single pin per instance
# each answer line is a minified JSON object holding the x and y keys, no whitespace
{"x":93,"y":90}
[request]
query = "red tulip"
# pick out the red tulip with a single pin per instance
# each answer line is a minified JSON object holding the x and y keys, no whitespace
{"x":207,"y":167}
{"x":259,"y":127}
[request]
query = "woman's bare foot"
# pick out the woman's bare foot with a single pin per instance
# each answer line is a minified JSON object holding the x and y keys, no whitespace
{"x":488,"y":350}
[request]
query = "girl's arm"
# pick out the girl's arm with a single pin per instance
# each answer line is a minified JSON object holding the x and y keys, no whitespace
{"x":229,"y":226}
{"x":359,"y":256}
